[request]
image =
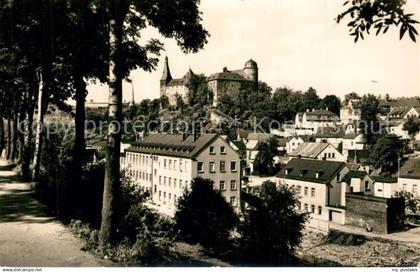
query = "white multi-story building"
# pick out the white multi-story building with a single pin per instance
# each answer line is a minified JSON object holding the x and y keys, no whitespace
{"x":318,"y":184}
{"x":316,"y":119}
{"x":166,"y":164}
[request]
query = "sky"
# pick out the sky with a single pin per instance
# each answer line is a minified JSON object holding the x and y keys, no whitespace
{"x":296,"y":43}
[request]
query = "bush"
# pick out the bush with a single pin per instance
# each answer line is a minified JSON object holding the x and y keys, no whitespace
{"x":203,"y":216}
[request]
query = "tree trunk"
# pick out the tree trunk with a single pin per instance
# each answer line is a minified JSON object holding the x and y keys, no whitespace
{"x":112,"y":166}
{"x":14,"y":139}
{"x":79,"y":147}
{"x":39,"y":128}
{"x":2,"y":143}
{"x":8,"y":147}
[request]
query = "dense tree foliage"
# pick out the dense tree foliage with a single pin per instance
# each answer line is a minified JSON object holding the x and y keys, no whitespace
{"x":369,"y":125}
{"x":264,"y":160}
{"x":412,"y":126}
{"x":203,"y":216}
{"x":386,"y":152}
{"x":272,"y":229}
{"x":332,"y":103}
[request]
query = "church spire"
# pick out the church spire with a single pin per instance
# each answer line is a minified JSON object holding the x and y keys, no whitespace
{"x":166,"y":75}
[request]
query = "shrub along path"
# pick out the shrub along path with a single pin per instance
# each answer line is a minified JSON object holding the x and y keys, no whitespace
{"x":28,"y":236}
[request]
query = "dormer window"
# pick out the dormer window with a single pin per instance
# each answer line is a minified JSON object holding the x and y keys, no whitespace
{"x":318,"y":174}
{"x":303,"y":172}
{"x":287,"y":171}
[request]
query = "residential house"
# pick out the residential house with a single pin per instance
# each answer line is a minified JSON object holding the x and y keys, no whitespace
{"x":409,"y":177}
{"x":316,"y":119}
{"x":293,"y":143}
{"x":356,"y":181}
{"x":320,"y":151}
{"x":394,"y":122}
{"x":332,"y":135}
{"x":384,"y":187}
{"x":165,"y":165}
{"x":318,"y":184}
{"x":351,"y":112}
{"x":353,"y":142}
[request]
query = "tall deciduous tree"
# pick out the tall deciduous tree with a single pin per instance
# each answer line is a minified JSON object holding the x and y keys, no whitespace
{"x":412,"y":126}
{"x":369,"y":125}
{"x":203,"y":216}
{"x":272,"y":226}
{"x":386,"y":153}
{"x":175,"y":19}
{"x":332,"y":102}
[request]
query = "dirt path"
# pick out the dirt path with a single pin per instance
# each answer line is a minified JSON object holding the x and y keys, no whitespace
{"x":28,"y":237}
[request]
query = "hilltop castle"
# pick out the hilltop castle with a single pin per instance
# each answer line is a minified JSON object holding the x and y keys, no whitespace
{"x":227,"y":81}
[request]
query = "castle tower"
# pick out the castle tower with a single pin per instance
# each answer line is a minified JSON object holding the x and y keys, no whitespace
{"x":166,"y":77}
{"x":251,"y":70}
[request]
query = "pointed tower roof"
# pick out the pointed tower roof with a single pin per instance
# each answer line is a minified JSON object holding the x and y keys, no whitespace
{"x":166,"y":75}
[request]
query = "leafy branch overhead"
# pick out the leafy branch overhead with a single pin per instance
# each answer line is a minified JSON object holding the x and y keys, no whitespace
{"x":378,"y":16}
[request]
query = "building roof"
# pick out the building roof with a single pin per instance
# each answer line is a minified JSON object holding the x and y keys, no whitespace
{"x":321,"y":116}
{"x":330,"y":132}
{"x":382,"y":179}
{"x":251,"y":64}
{"x":309,"y":150}
{"x":173,"y":144}
{"x":306,"y":170}
{"x":259,"y":136}
{"x":354,"y":174}
{"x":411,"y":168}
{"x":352,"y":136}
{"x":227,"y":75}
{"x":399,"y":112}
{"x":181,"y":81}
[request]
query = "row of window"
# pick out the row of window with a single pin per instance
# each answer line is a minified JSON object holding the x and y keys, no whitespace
{"x":212,"y":166}
{"x":329,"y":155}
{"x":233,"y":185}
{"x":305,"y":206}
{"x":146,"y":160}
{"x":414,"y":189}
{"x":175,"y":165}
{"x":140,"y":159}
{"x":166,"y":198}
{"x":139,"y":175}
{"x":212,"y":150}
{"x":167,"y":181}
{"x":305,"y":190}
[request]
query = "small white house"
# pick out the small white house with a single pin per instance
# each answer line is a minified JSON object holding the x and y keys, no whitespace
{"x":356,"y":182}
{"x":353,"y":142}
{"x":384,"y":186}
{"x":293,"y":143}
